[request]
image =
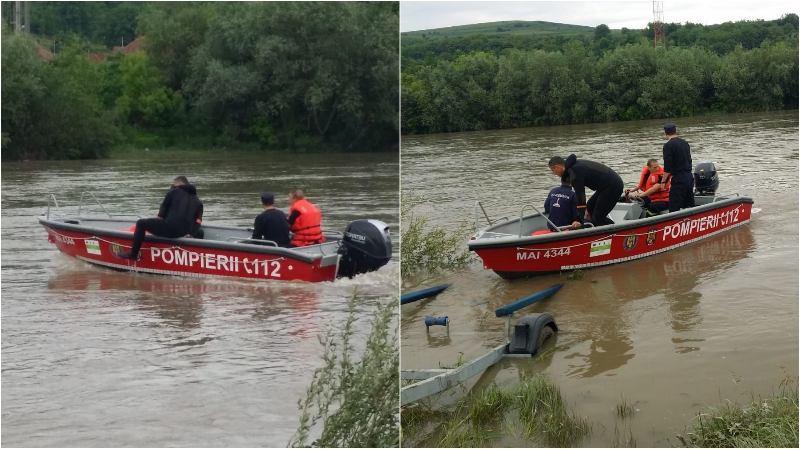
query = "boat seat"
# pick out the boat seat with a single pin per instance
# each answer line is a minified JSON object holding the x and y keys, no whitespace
{"x":626,"y":211}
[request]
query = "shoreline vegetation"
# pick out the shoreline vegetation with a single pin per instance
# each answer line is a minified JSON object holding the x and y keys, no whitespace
{"x":427,"y":249}
{"x":534,"y":412}
{"x":521,"y":74}
{"x":353,"y":402}
{"x":93,"y":77}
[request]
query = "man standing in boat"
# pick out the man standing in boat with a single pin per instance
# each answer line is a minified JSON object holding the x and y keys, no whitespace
{"x":178,"y":215}
{"x":678,"y":170}
{"x":305,"y":220}
{"x":605,"y":182}
{"x":272,"y":223}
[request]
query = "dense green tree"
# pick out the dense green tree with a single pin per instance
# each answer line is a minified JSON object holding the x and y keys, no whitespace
{"x":107,"y":23}
{"x":282,"y":75}
{"x":143,"y":99}
{"x":299,"y":75}
{"x":23,"y":93}
{"x":52,"y":110}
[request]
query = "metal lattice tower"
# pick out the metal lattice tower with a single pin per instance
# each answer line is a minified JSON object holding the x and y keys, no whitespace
{"x":658,"y":23}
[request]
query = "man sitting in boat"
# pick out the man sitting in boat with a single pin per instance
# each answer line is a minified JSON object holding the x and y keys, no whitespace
{"x":561,"y":207}
{"x":305,"y":220}
{"x":605,"y":182}
{"x":653,"y":194}
{"x":178,"y":215}
{"x":272,"y":223}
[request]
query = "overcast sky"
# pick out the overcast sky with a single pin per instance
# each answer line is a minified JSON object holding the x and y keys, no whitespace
{"x":421,"y":15}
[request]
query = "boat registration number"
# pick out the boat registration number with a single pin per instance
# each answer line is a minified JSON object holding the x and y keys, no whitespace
{"x":536,"y":254}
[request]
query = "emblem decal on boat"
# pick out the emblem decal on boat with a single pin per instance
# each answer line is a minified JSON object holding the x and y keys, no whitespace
{"x":630,"y":242}
{"x":93,"y":247}
{"x":651,"y":236}
{"x":600,"y":248}
{"x":116,"y":249}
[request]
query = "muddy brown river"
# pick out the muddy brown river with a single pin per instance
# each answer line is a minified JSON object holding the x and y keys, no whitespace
{"x":671,"y":334}
{"x":93,"y":357}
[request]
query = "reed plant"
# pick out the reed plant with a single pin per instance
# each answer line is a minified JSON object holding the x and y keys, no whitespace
{"x":355,"y":401}
{"x":624,"y":408}
{"x":544,"y":415}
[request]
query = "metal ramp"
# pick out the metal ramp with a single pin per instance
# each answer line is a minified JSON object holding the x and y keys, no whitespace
{"x":433,"y":381}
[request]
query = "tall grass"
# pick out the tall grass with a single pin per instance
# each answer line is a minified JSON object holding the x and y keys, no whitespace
{"x":355,"y":401}
{"x":625,"y":408}
{"x":544,"y":414}
{"x":534,"y":408}
{"x":765,"y":422}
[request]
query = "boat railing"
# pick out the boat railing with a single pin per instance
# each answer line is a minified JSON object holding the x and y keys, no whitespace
{"x":522,"y":215}
{"x":253,"y":241}
{"x":488,"y":220}
{"x":55,"y":202}
{"x":91,"y":194}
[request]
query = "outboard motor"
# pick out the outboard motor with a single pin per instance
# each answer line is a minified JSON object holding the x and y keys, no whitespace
{"x":365,"y":247}
{"x":706,"y":180}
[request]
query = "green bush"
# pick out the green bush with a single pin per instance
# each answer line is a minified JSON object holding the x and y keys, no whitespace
{"x":355,"y":400}
{"x":429,"y":248}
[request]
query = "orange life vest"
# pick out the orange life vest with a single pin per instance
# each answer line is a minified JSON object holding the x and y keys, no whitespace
{"x":307,"y":228}
{"x":648,"y":180}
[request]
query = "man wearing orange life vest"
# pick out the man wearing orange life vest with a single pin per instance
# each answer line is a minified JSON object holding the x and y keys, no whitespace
{"x":650,"y":190}
{"x":305,"y":220}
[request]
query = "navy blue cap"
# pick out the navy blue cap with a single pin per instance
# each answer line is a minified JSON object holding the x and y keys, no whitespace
{"x":669,"y":128}
{"x":267,"y":198}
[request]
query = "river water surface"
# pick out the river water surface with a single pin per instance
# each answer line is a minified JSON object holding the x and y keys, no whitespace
{"x":671,"y":334}
{"x":92,"y":357}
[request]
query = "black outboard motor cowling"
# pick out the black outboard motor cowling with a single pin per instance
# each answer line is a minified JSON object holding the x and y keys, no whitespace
{"x":706,"y":181}
{"x":365,"y":247}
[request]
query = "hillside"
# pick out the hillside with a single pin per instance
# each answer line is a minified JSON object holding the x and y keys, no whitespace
{"x":505,"y":27}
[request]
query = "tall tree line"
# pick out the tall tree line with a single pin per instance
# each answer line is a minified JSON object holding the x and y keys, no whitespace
{"x":278,"y":76}
{"x":607,"y":76}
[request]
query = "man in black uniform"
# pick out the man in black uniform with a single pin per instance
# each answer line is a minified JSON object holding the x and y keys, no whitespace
{"x":178,"y":215}
{"x":271,"y":224}
{"x":678,"y":166}
{"x":605,"y":182}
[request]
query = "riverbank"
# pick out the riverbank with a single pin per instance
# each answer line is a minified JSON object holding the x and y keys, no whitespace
{"x":534,"y":412}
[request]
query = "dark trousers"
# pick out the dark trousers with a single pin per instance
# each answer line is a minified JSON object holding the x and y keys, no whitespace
{"x":155,"y":226}
{"x":603,"y":202}
{"x":681,"y":194}
{"x":655,"y":207}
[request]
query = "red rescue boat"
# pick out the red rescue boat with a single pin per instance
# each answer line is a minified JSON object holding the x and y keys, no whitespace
{"x":510,"y":249}
{"x":223,"y":251}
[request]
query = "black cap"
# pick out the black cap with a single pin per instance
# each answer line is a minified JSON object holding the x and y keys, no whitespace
{"x":670,"y":128}
{"x":267,"y":198}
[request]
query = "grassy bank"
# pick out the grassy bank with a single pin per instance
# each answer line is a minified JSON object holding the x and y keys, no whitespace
{"x":765,"y":422}
{"x":533,"y":411}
